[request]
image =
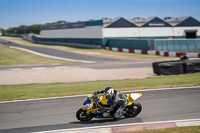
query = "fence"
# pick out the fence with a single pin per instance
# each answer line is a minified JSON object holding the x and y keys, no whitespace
{"x":175,"y":45}
{"x":178,"y":45}
{"x":90,"y":41}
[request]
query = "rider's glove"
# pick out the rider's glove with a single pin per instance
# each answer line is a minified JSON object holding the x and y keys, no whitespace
{"x":96,"y":92}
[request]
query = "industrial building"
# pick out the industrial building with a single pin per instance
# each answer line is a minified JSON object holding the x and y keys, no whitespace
{"x":151,"y":33}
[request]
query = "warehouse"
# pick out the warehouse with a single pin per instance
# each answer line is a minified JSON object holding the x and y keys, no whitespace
{"x":184,"y":27}
{"x":138,"y":28}
{"x":136,"y":33}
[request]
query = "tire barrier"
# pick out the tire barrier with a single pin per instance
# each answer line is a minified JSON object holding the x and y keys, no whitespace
{"x":176,"y":67}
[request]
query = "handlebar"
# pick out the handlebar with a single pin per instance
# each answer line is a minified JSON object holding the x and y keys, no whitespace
{"x":95,"y":98}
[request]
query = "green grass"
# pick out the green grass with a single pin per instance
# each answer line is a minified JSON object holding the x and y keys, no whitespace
{"x":9,"y":56}
{"x":190,"y":129}
{"x":28,"y":91}
{"x":96,"y":52}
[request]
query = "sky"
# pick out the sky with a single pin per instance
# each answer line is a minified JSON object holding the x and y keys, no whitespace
{"x":14,"y":13}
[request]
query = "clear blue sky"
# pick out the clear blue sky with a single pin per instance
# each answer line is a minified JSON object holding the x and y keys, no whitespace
{"x":28,"y":12}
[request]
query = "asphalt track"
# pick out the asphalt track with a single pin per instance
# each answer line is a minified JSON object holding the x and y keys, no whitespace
{"x":98,"y":62}
{"x":59,"y":113}
{"x":58,"y":53}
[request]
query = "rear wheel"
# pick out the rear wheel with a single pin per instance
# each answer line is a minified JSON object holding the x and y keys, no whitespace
{"x":134,"y":109}
{"x":82,"y":116}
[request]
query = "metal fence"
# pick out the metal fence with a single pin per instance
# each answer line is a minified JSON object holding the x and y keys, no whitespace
{"x":91,"y":41}
{"x":192,"y":45}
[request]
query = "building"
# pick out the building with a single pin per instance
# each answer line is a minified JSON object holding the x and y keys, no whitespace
{"x":137,"y":33}
{"x":184,"y":27}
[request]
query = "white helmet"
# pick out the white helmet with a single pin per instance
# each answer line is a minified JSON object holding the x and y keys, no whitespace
{"x":109,"y":91}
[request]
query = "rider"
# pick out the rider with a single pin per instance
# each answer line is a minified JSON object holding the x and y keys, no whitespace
{"x":184,"y":57}
{"x":118,"y":101}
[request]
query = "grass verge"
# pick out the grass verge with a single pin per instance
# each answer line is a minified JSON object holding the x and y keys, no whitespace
{"x":95,"y":52}
{"x":190,"y":129}
{"x":9,"y":56}
{"x":29,"y":91}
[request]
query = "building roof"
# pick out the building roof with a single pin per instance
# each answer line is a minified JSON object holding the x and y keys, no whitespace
{"x":174,"y":20}
{"x":149,"y":22}
{"x":139,"y":21}
{"x":156,"y":22}
{"x":120,"y":22}
{"x":182,"y":21}
{"x":117,"y":23}
{"x":79,"y":24}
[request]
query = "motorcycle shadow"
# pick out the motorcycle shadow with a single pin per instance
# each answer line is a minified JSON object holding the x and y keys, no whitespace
{"x":107,"y":120}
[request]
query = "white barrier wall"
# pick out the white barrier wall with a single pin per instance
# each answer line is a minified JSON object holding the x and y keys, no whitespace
{"x":180,"y":31}
{"x":99,"y":32}
{"x":120,"y":32}
{"x":87,"y":32}
{"x":156,"y":32}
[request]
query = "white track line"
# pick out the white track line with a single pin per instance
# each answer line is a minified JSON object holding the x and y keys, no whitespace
{"x":49,"y":56}
{"x":40,"y":99}
{"x":51,"y":98}
{"x":164,"y":89}
{"x":118,"y":125}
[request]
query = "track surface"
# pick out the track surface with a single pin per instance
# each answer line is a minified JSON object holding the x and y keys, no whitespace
{"x":53,"y":114}
{"x":100,"y":62}
{"x":59,"y":53}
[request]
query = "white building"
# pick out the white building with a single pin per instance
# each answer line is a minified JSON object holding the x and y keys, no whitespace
{"x":138,"y":28}
{"x":101,"y":31}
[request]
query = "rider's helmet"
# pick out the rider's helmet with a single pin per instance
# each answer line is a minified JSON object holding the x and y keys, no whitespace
{"x":109,"y":92}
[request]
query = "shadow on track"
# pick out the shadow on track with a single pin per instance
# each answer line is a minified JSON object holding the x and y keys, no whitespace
{"x":108,"y":120}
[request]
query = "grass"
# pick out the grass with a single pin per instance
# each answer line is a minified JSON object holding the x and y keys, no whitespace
{"x":28,"y":91}
{"x":9,"y":56}
{"x":190,"y":129}
{"x":96,"y":52}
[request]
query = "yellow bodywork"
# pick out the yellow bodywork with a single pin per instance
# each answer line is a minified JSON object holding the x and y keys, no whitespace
{"x":129,"y":98}
{"x":104,"y":101}
{"x":91,"y":109}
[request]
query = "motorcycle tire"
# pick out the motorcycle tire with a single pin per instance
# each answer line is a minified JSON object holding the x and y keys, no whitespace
{"x":82,"y":116}
{"x":133,"y":110}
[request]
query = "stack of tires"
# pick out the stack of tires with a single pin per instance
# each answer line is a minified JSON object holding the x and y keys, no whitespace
{"x":176,"y":67}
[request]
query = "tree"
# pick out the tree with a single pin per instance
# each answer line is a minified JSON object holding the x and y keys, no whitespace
{"x":23,"y":29}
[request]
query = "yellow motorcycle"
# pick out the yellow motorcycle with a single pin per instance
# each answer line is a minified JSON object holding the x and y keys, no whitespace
{"x":92,"y":107}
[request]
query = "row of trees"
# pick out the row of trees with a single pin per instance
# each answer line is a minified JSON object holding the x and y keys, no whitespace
{"x":23,"y":29}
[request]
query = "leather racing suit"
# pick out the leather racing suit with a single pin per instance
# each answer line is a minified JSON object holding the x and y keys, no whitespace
{"x":118,"y":103}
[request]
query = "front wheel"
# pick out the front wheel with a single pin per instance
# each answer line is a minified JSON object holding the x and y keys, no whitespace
{"x":82,"y":116}
{"x":134,"y":109}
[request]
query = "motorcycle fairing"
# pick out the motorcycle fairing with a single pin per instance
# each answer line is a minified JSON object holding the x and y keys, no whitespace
{"x":87,"y":101}
{"x":135,"y":96}
{"x":88,"y":105}
{"x":132,"y":97}
{"x":105,"y":101}
{"x":98,"y":114}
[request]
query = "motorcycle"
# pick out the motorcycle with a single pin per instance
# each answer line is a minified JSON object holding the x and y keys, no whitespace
{"x":92,"y":107}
